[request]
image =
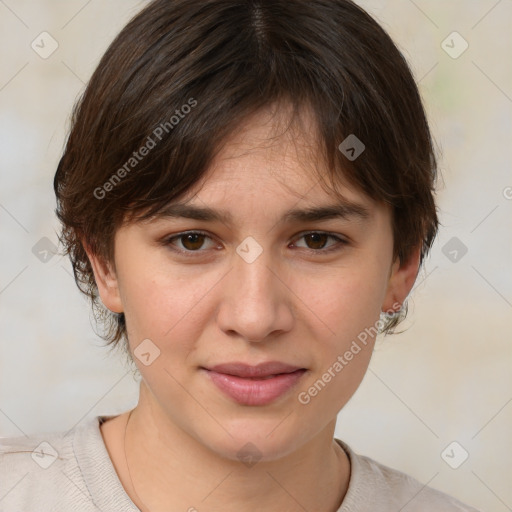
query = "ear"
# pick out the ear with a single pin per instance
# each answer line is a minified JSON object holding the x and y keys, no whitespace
{"x":106,"y":281}
{"x":401,"y":280}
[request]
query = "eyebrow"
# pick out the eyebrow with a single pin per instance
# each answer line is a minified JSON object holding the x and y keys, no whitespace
{"x":345,"y":210}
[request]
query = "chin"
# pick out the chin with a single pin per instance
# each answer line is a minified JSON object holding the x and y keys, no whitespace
{"x":256,"y":440}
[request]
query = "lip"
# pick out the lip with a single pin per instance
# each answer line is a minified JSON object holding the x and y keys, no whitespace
{"x":260,"y":370}
{"x":254,"y":385}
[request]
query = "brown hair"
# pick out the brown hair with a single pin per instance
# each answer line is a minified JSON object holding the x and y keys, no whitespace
{"x":183,"y":75}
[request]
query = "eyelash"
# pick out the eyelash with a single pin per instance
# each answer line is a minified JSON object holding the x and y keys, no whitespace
{"x":191,"y":254}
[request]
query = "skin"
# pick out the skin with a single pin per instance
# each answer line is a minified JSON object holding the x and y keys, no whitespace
{"x":294,"y":304}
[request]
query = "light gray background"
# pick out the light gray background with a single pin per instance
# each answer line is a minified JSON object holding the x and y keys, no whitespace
{"x":446,"y":379}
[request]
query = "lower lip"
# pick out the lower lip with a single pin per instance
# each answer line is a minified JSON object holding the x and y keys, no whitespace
{"x":252,"y":391}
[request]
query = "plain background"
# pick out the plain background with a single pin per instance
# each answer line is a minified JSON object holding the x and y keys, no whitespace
{"x":447,"y":378}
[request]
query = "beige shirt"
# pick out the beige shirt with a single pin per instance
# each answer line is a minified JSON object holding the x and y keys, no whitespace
{"x":61,"y":473}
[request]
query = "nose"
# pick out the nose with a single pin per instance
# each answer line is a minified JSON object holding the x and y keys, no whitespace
{"x":256,"y":301}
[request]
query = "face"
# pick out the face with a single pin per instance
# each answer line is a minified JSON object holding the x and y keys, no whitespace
{"x":258,"y":284}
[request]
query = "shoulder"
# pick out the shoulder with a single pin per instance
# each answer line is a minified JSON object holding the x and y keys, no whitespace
{"x":378,"y":488}
{"x":41,"y":472}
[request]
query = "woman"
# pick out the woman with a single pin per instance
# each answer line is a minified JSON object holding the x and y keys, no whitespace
{"x":247,"y":188}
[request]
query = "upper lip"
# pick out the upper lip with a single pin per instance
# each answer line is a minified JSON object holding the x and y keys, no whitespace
{"x":260,"y":370}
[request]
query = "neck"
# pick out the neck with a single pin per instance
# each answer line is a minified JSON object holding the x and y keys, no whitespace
{"x":167,"y":469}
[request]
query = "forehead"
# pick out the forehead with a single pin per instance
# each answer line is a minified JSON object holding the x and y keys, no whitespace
{"x":275,"y":154}
{"x":271,"y":167}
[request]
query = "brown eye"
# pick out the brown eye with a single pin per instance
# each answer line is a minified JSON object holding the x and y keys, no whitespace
{"x":192,"y":241}
{"x":316,"y":240}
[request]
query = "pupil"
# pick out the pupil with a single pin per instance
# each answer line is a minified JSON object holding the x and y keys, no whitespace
{"x":191,"y":241}
{"x":317,"y":238}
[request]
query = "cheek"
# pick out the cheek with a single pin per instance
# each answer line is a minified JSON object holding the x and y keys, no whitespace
{"x":342,"y":302}
{"x":345,"y":307}
{"x":164,"y":306}
{"x":346,"y":312}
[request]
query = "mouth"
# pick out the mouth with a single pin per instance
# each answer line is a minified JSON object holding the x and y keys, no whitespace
{"x":254,"y":385}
